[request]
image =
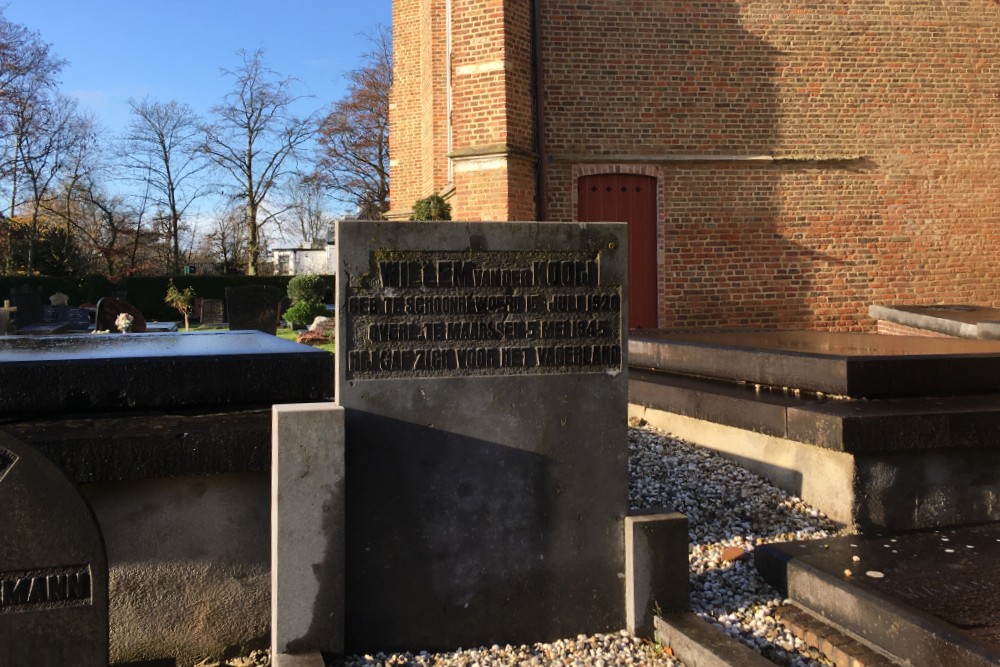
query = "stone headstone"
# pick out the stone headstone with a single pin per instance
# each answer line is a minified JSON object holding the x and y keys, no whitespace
{"x":108,"y":310}
{"x":324,"y":325}
{"x":212,"y":311}
{"x":253,"y":307}
{"x":59,"y":299}
{"x":6,"y":311}
{"x":53,"y":567}
{"x":28,"y":301}
{"x":481,"y":370}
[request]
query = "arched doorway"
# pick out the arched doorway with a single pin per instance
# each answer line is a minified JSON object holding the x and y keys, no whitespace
{"x":628,"y":198}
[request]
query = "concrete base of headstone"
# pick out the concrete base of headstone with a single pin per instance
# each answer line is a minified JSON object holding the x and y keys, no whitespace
{"x":656,"y":568}
{"x":314,"y":659}
{"x":307,"y":532}
{"x":188,"y":560}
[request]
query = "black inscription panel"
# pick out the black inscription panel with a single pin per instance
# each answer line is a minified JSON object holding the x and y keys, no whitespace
{"x":49,"y":588}
{"x":426,"y":314}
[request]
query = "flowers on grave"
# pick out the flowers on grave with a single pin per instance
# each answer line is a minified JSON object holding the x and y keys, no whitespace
{"x":123,"y":322}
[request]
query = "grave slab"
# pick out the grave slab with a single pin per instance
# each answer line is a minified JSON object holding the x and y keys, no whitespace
{"x":53,"y":566}
{"x":846,"y":364}
{"x":481,"y":372}
{"x":135,"y":371}
{"x":929,"y":597}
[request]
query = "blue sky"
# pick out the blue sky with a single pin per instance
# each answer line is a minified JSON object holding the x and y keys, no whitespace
{"x":174,"y":49}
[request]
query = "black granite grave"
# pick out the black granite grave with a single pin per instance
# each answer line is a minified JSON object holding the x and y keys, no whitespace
{"x":847,"y":364}
{"x":53,"y":567}
{"x":144,"y":405}
{"x":928,"y":598}
{"x":915,"y":418}
{"x":253,"y":307}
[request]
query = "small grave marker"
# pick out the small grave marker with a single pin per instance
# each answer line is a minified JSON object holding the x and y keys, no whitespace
{"x":212,"y":311}
{"x":5,"y":313}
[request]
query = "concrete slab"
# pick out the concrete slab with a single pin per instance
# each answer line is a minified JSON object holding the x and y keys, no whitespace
{"x":846,"y":364}
{"x":307,"y":531}
{"x":931,"y":597}
{"x":656,"y":572}
{"x":964,"y":321}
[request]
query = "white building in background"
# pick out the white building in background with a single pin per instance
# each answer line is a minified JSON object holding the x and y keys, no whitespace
{"x":317,"y":257}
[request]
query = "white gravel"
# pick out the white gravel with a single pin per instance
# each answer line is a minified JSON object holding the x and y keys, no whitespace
{"x":726,"y":506}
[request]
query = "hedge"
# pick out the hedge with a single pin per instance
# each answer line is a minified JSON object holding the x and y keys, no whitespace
{"x":144,"y":292}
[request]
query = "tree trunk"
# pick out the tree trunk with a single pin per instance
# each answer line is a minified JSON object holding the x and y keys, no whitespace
{"x":253,"y":239}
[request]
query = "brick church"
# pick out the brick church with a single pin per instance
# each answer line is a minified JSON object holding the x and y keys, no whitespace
{"x":781,"y":164}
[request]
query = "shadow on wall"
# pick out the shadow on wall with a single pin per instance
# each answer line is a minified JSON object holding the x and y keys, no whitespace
{"x":687,"y":87}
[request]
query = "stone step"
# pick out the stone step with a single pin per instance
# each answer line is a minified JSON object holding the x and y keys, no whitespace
{"x":926,"y":598}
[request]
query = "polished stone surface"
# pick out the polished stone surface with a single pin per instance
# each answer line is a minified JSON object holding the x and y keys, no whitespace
{"x":134,"y":371}
{"x":939,"y":591}
{"x":848,"y":364}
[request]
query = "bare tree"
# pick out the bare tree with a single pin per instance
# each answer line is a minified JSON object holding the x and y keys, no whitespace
{"x":255,"y":140}
{"x":354,"y":136}
{"x":161,"y":149}
{"x":28,"y":71}
{"x":226,"y":242}
{"x":49,"y":133}
{"x":305,"y":198}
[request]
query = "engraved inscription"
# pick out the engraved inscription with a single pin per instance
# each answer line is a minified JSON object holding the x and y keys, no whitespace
{"x":426,"y":314}
{"x":45,"y":589}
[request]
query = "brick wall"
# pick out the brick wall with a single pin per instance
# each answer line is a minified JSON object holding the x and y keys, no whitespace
{"x":813,"y":158}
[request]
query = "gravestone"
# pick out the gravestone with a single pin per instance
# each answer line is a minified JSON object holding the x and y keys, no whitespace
{"x":253,"y":307}
{"x":53,"y":567}
{"x":212,"y":311}
{"x":59,"y":299}
{"x":108,"y":310}
{"x":6,"y":312}
{"x":481,"y":370}
{"x":74,"y":319}
{"x":28,"y":301}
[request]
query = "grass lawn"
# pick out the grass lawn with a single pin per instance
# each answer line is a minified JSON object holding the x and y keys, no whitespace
{"x":289,"y":334}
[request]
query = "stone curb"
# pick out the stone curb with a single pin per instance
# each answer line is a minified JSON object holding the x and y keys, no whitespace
{"x":697,"y":644}
{"x":841,"y":649}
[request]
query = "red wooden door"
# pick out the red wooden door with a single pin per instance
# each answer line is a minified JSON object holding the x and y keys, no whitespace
{"x":631,"y":199}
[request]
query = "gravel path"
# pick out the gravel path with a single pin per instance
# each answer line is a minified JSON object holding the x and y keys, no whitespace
{"x":729,"y":511}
